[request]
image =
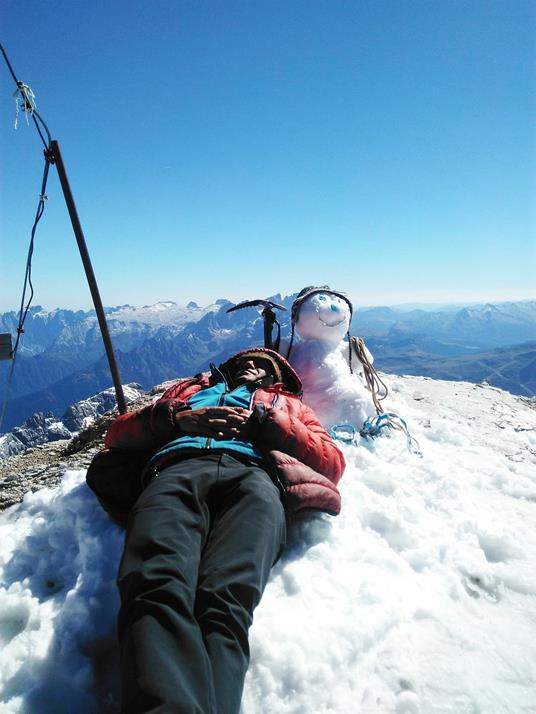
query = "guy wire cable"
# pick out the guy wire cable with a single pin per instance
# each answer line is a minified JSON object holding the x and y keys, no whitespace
{"x":53,"y":156}
{"x":29,"y":107}
{"x":24,"y":308}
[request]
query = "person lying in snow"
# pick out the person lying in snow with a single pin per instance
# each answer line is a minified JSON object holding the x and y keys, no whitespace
{"x":233,"y":451}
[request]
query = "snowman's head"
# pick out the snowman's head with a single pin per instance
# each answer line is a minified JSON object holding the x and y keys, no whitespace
{"x":322,"y":314}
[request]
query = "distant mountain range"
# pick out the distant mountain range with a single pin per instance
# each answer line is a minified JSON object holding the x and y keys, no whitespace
{"x":510,"y":368}
{"x":61,"y":356}
{"x":453,"y":332}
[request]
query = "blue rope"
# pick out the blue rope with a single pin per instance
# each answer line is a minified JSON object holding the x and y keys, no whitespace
{"x":347,"y":433}
{"x":372,"y":427}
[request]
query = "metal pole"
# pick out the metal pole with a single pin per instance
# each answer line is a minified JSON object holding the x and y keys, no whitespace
{"x":54,"y":156}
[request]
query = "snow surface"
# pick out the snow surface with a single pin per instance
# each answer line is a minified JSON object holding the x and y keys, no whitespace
{"x":419,"y":598}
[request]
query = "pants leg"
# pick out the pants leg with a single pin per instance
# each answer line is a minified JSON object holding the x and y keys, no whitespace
{"x":247,"y":536}
{"x":164,"y":663}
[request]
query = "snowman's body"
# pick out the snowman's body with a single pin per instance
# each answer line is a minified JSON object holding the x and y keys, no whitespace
{"x":320,"y":355}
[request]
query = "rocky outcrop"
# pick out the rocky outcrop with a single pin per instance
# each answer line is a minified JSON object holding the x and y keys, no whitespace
{"x":82,"y":414}
{"x":43,"y":465}
{"x":44,"y":427}
{"x":40,"y":428}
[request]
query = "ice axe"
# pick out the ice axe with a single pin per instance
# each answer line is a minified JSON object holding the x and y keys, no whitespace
{"x":269,"y":318}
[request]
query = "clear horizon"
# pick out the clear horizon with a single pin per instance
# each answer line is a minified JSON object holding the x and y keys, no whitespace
{"x":244,"y":149}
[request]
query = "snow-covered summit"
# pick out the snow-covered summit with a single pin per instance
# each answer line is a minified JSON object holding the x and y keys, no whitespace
{"x":419,"y":598}
{"x":166,"y":312}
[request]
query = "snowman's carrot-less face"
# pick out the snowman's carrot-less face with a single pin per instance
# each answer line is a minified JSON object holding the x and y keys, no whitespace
{"x":324,"y":317}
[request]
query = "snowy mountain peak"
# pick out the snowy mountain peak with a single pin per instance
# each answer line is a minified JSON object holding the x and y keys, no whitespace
{"x":42,"y":428}
{"x":163,"y":305}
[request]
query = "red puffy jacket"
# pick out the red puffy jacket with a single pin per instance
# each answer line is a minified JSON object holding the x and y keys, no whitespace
{"x":308,"y":462}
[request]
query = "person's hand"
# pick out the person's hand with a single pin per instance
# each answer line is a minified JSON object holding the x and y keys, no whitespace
{"x":215,"y":422}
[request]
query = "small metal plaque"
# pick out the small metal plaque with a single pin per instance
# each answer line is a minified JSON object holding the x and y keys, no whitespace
{"x":6,"y":348}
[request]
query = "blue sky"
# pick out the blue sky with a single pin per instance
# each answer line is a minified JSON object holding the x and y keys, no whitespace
{"x":240,"y":148}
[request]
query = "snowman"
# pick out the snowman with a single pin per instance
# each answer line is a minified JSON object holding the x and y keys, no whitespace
{"x":319,"y":350}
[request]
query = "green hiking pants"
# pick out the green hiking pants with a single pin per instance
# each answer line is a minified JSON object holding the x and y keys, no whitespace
{"x":200,"y":543}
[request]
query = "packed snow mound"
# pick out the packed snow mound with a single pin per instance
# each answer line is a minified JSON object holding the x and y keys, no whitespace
{"x":418,"y":598}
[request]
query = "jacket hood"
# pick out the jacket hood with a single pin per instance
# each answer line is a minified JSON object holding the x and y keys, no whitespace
{"x":290,"y":379}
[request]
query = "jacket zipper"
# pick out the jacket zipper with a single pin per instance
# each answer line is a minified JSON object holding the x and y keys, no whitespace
{"x":221,"y":401}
